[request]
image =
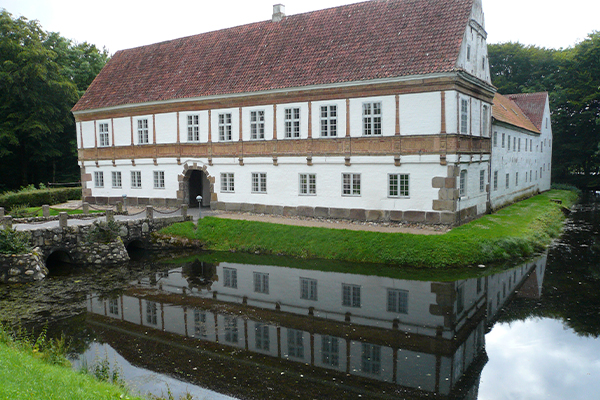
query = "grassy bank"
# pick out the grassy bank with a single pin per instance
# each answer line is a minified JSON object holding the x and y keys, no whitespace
{"x":515,"y":231}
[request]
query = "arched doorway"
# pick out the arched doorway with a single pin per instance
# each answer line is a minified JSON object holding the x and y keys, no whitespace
{"x":197,"y":183}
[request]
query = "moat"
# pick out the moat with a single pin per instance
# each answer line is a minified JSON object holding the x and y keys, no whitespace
{"x":222,"y":326}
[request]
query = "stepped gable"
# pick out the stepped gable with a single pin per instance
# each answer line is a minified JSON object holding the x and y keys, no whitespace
{"x":364,"y":41}
{"x":507,"y":111}
{"x":532,"y":104}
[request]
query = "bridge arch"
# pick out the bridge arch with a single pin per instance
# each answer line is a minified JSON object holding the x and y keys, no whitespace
{"x":197,"y":181}
{"x":57,"y":257}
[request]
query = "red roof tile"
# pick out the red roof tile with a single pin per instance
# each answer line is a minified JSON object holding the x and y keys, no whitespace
{"x":507,"y":111}
{"x":532,"y":104}
{"x":370,"y":40}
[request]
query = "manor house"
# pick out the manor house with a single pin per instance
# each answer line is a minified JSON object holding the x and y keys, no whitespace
{"x":381,"y":110}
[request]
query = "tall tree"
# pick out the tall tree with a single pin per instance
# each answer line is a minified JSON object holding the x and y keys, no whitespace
{"x":42,"y":76}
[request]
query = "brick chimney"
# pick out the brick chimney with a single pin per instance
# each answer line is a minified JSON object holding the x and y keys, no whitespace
{"x":278,"y":12}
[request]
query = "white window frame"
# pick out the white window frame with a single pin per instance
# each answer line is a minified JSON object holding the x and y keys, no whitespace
{"x":351,"y":295}
{"x":462,"y":183}
{"x":371,"y":117}
{"x":259,"y":182}
{"x":143,"y":131}
{"x":103,"y":135}
{"x":507,"y":181}
{"x":399,"y":185}
{"x":516,"y":179}
{"x":307,"y":184}
{"x":481,"y":180}
{"x":495,"y":138}
{"x":98,"y":179}
{"x":330,"y":351}
{"x":397,"y":301}
{"x":136,"y":179}
{"x":227,"y":182}
{"x":328,"y":115}
{"x":503,"y":140}
{"x":295,"y":342}
{"x":464,"y":116}
{"x":291,"y":122}
{"x":350,"y":184}
{"x":261,"y":282}
{"x":262,"y":341}
{"x":224,"y":125}
{"x":230,"y":277}
{"x":117,"y":182}
{"x":159,"y":179}
{"x":508,"y":148}
{"x":370,"y":358}
{"x":193,"y":127}
{"x":308,"y":289}
{"x":495,"y":180}
{"x":257,"y":124}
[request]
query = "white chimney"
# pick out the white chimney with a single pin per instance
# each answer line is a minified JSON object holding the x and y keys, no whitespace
{"x":278,"y":12}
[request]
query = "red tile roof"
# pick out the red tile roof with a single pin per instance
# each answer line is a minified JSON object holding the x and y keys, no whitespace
{"x":370,"y":40}
{"x":532,"y":104}
{"x":507,"y":111}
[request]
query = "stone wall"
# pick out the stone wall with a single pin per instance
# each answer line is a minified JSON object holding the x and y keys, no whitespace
{"x":22,"y":268}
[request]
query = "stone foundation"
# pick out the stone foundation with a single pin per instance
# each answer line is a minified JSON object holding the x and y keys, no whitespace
{"x":22,"y":268}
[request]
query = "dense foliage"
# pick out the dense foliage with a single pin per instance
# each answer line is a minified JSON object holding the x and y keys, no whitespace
{"x":572,"y":78}
{"x":14,"y":242}
{"x":32,"y":197}
{"x":42,"y":75}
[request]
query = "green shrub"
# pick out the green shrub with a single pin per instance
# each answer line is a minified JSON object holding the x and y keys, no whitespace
{"x":38,"y":197}
{"x":14,"y":242}
{"x":21,"y":211}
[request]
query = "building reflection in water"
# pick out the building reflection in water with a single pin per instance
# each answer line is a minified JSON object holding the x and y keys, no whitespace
{"x":416,"y":338}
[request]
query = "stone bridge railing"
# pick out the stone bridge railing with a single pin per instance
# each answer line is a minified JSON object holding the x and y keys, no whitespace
{"x":79,"y":244}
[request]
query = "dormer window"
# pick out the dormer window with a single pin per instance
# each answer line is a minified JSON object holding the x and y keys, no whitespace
{"x":468,"y":52}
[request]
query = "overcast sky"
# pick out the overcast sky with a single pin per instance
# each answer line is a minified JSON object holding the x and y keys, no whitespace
{"x":122,"y":24}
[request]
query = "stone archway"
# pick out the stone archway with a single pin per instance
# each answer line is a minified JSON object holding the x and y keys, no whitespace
{"x":195,"y":181}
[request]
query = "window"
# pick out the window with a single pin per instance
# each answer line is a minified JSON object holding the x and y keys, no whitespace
{"x":530,"y":144}
{"x":495,"y":139}
{"x":98,"y":179}
{"x":227,"y":182}
{"x":398,"y":185}
{"x":484,"y":124}
{"x":464,"y":116}
{"x":231,"y":329}
{"x":295,"y":343}
{"x":330,"y":351}
{"x":509,"y":142}
{"x":460,"y":299}
{"x":230,"y":277}
{"x":482,"y":180}
{"x":113,"y":306}
{"x":468,"y":52}
{"x":397,"y":301}
{"x":519,"y":145}
{"x":259,"y":182}
{"x":104,"y":140}
{"x":261,"y":336}
{"x":371,"y":119}
{"x":328,"y":121}
{"x":463,"y":183}
{"x":351,"y":184}
{"x":151,"y":313}
{"x":225,"y":127}
{"x":507,"y":180}
{"x":483,"y":63}
{"x":116,"y":179}
{"x":159,"y":179}
{"x":514,"y":143}
{"x":308,"y":184}
{"x":136,"y":179}
{"x":142,"y":131}
{"x":479,"y":285}
{"x":257,"y":124}
{"x":516,"y":179}
{"x":200,"y":324}
{"x":370,"y":358}
{"x":540,"y":172}
{"x":261,"y":282}
{"x":292,"y":122}
{"x":350,"y":295}
{"x":495,"y":180}
{"x":503,"y":138}
{"x":193,"y":127}
{"x":308,"y":289}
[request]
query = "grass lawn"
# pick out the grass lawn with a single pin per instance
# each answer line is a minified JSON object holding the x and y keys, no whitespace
{"x":24,"y":376}
{"x":37,"y":211}
{"x":516,"y":231}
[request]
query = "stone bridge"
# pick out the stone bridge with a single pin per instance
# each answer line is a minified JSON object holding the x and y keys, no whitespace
{"x":94,"y":241}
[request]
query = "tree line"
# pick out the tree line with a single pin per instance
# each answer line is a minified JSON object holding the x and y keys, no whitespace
{"x":42,"y":75}
{"x":572,"y":78}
